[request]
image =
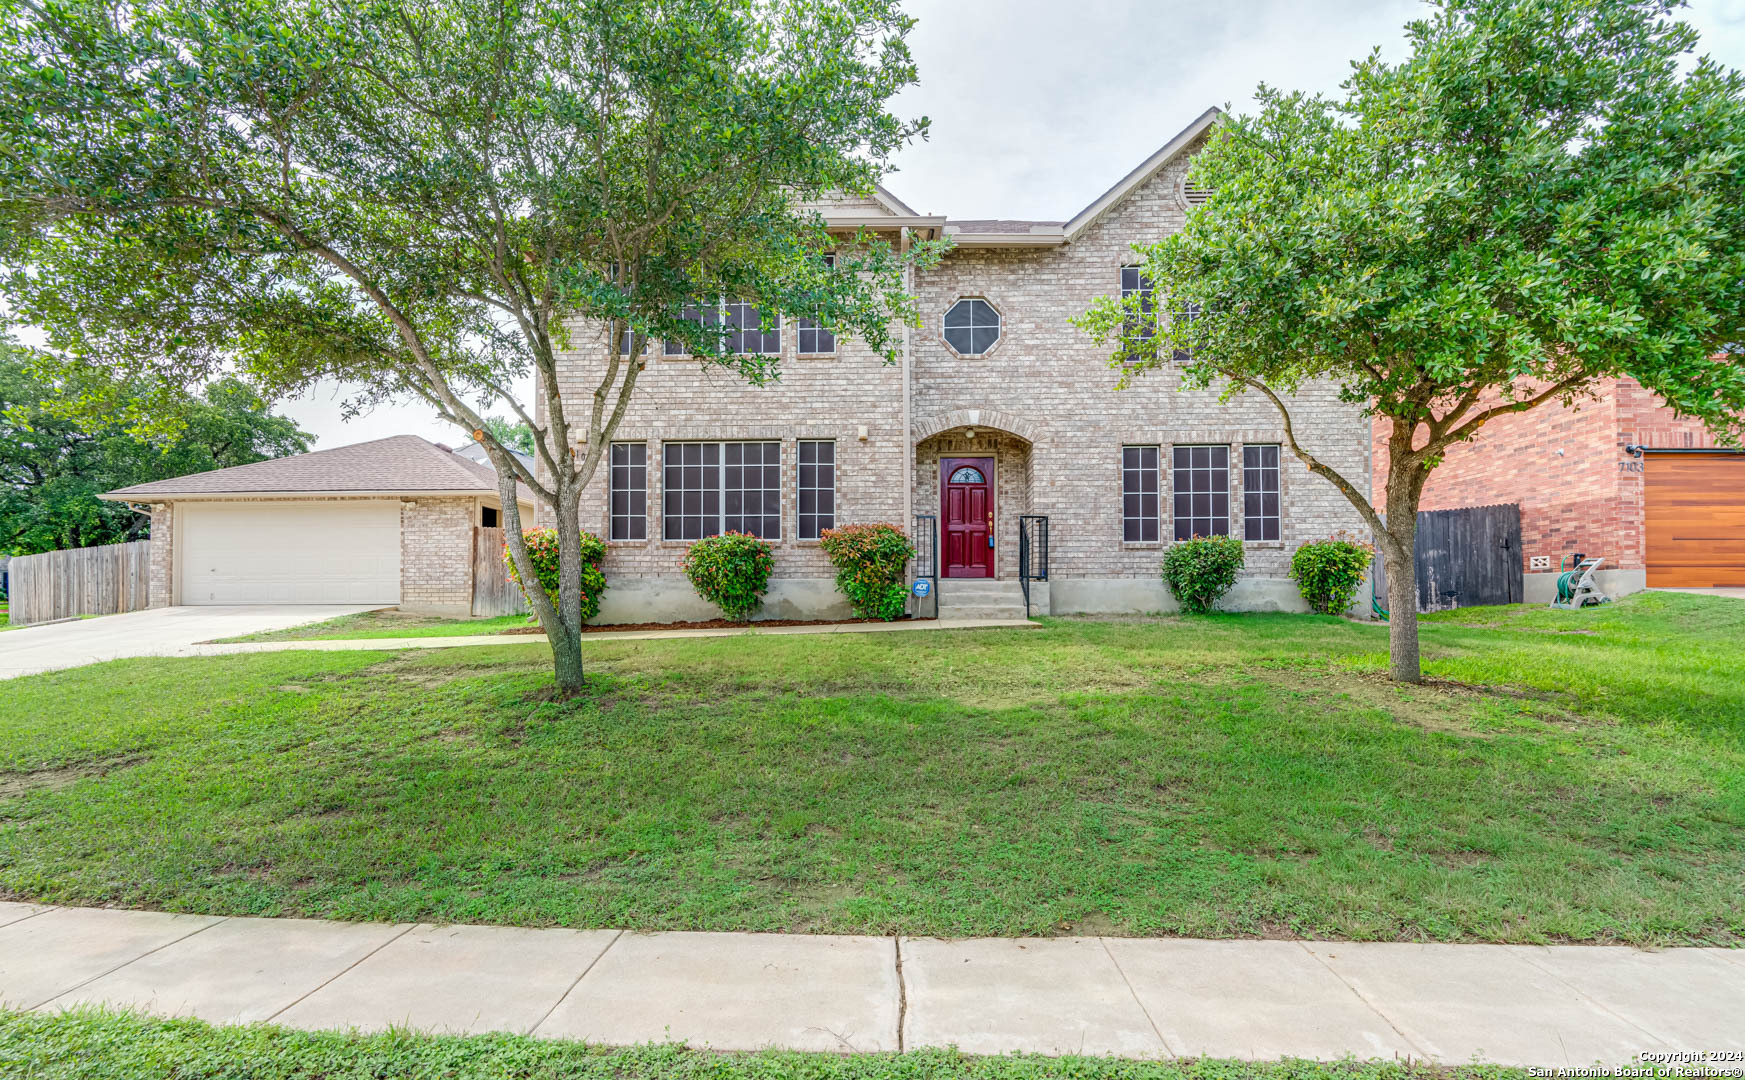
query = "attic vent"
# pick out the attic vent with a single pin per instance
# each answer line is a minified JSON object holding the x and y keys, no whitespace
{"x":1191,"y":196}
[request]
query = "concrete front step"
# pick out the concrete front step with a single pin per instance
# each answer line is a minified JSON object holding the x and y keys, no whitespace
{"x":984,"y":598}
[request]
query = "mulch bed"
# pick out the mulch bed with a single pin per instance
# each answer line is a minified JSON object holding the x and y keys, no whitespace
{"x":711,"y":624}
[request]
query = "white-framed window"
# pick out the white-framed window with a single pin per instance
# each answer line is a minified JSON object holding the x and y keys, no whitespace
{"x":1260,"y":493}
{"x":1200,"y":478}
{"x":750,"y":331}
{"x":815,"y":339}
{"x":817,"y":488}
{"x":1141,"y":498}
{"x":705,"y":316}
{"x":972,"y":326}
{"x":716,"y":487}
{"x":629,"y":491}
{"x":1135,"y":283}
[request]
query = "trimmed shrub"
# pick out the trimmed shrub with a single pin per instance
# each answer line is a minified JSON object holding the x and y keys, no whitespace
{"x":1200,"y":570}
{"x":731,"y":571}
{"x":542,"y":549}
{"x":869,"y":561}
{"x":1328,"y":572}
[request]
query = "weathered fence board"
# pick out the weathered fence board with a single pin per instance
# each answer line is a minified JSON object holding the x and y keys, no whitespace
{"x":80,"y":581}
{"x":493,"y":591}
{"x":1465,"y":558}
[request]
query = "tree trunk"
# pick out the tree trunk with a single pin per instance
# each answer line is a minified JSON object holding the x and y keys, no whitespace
{"x":566,"y":638}
{"x":1402,"y":568}
{"x":1399,"y":546}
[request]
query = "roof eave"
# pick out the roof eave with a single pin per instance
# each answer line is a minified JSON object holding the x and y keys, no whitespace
{"x":1146,"y":170}
{"x":123,"y":495}
{"x":1054,"y":238}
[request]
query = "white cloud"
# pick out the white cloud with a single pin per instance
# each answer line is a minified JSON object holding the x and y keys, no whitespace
{"x":1038,"y":106}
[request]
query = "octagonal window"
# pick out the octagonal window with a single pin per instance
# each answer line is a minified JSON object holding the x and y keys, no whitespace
{"x":972,"y":326}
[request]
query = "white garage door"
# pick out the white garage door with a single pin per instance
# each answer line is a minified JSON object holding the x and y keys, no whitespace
{"x":289,"y":553}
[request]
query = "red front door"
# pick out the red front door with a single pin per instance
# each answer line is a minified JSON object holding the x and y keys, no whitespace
{"x":966,"y":487}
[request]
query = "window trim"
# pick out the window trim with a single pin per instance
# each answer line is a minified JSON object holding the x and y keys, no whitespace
{"x":1158,"y":492}
{"x":612,"y":489}
{"x":817,"y":327}
{"x":1175,"y":491}
{"x":721,"y":489}
{"x":999,"y":326}
{"x":835,"y":491}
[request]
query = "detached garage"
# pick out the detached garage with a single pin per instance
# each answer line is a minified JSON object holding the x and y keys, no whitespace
{"x":1694,"y":515}
{"x":393,"y":522}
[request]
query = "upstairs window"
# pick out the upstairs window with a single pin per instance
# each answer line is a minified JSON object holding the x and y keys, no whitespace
{"x":750,"y":332}
{"x":972,"y":326}
{"x":1134,"y":283}
{"x":705,"y":317}
{"x":815,"y":339}
{"x":1201,"y":477}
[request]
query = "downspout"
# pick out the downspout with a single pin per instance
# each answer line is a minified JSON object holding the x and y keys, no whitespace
{"x":908,"y":427}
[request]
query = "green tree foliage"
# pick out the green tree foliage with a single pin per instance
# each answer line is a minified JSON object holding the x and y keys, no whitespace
{"x":53,"y":467}
{"x":510,"y":434}
{"x":1545,"y":194}
{"x":1201,"y":570}
{"x":434,"y":199}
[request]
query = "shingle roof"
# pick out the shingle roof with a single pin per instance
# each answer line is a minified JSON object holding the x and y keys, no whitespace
{"x":400,"y":465}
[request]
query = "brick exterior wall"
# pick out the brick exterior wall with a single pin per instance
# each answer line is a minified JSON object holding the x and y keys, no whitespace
{"x":436,"y":555}
{"x":1042,"y":403}
{"x":163,"y":556}
{"x":1578,"y":489}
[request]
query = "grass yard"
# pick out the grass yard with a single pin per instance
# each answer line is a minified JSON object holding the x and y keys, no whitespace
{"x":1570,"y":776}
{"x":103,"y":1045}
{"x":377,"y":624}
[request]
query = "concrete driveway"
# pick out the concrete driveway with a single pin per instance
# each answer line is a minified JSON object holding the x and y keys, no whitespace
{"x":156,"y":632}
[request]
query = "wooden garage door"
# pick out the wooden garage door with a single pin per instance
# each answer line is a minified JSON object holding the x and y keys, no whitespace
{"x":288,"y":552}
{"x":1696,"y":520}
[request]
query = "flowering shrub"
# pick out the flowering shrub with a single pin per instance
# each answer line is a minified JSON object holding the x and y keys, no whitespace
{"x":542,"y":549}
{"x":869,"y":561}
{"x":731,"y":571}
{"x":1200,"y":570}
{"x":1328,"y":572}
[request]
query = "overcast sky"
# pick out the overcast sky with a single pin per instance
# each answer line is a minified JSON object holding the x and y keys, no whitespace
{"x":1038,"y":106}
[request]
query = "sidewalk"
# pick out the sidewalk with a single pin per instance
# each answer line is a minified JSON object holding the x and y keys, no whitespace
{"x":1519,"y":1005}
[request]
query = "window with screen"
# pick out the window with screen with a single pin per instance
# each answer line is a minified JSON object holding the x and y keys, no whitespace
{"x":815,"y":339}
{"x":817,"y":490}
{"x":1134,"y":283}
{"x":1140,"y":499}
{"x":751,"y":332}
{"x":751,"y":488}
{"x":629,"y":491}
{"x":1260,"y":493}
{"x":714,"y":487}
{"x":1200,"y":477}
{"x":706,"y":317}
{"x":972,"y":327}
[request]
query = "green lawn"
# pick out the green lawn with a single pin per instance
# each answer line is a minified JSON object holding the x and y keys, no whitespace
{"x":1570,"y":776}
{"x":104,"y":1045}
{"x":374,"y":624}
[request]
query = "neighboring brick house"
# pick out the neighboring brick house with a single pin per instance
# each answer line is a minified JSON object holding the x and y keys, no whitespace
{"x":390,"y":522}
{"x":998,"y":399}
{"x":1619,"y":476}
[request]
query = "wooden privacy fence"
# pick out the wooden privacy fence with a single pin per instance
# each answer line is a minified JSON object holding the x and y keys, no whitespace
{"x":494,"y":593}
{"x":80,"y":581}
{"x":1465,"y":558}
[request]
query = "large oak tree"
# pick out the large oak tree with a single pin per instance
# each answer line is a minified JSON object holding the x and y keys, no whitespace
{"x":438,"y":199}
{"x":1545,"y":194}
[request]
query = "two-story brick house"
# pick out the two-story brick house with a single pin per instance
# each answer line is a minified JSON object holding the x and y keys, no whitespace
{"x":998,"y":409}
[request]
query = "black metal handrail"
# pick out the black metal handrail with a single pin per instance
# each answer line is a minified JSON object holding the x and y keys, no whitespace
{"x":926,"y":536}
{"x":1032,"y":553}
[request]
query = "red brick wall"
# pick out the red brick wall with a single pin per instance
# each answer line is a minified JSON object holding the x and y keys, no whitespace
{"x":1566,"y":467}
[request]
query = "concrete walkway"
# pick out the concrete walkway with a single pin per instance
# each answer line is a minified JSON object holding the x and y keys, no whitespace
{"x":348,"y":644}
{"x":1519,"y":1005}
{"x":167,"y":631}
